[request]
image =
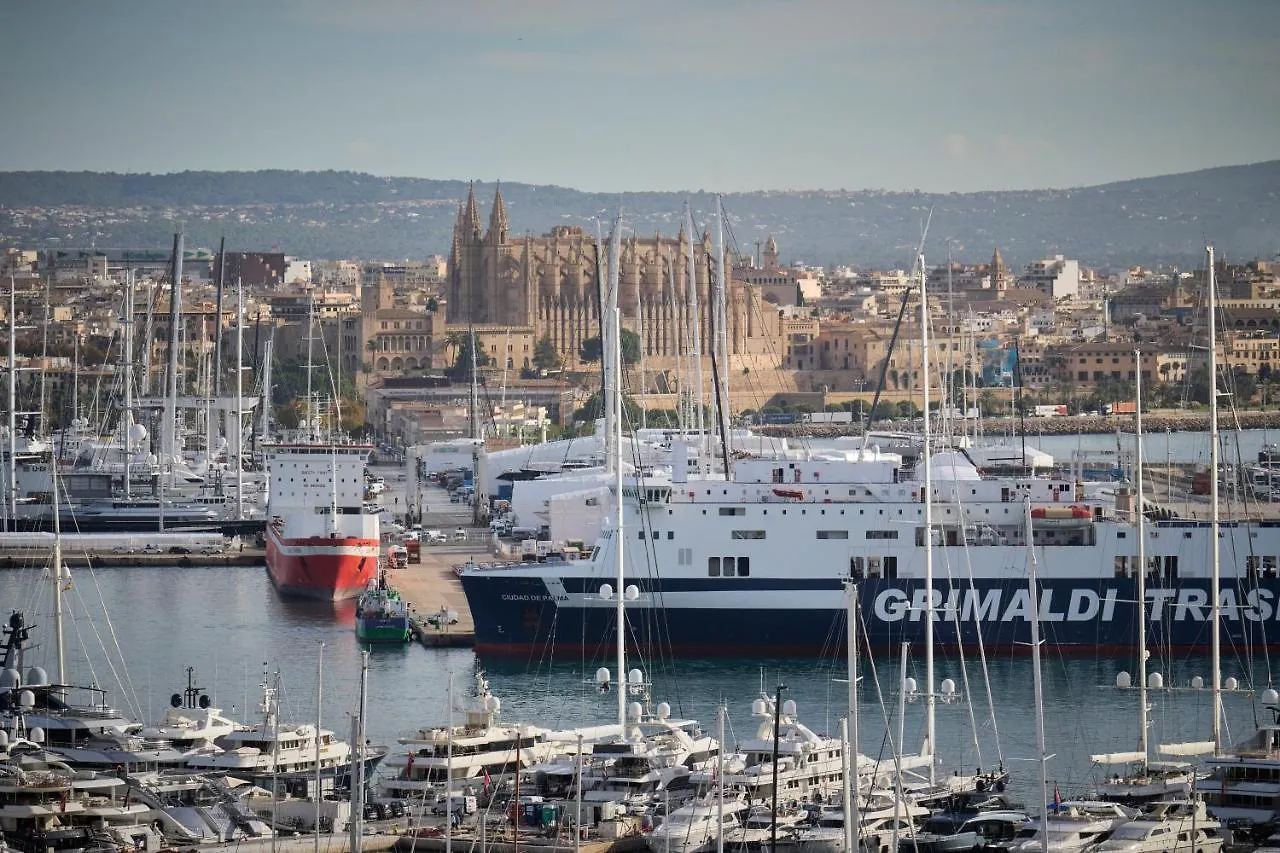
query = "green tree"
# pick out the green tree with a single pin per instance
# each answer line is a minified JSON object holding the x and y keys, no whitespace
{"x":591,"y":348}
{"x":461,"y":369}
{"x":592,"y":409}
{"x":433,"y":304}
{"x":545,"y":356}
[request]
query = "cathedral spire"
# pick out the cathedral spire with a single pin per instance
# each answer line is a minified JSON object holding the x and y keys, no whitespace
{"x":498,"y":218}
{"x":471,"y":218}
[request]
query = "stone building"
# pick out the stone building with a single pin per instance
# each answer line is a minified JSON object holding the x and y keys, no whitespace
{"x":549,"y":284}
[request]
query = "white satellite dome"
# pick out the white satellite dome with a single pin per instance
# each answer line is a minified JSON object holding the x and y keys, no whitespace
{"x":1155,"y":681}
{"x":137,"y":433}
{"x":1123,"y":680}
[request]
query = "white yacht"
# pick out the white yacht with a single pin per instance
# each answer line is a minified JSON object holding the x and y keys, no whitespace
{"x":1178,"y":826}
{"x":1073,"y":826}
{"x":695,"y":826}
{"x":1244,"y":782}
{"x":651,"y":763}
{"x":278,"y":755}
{"x":483,"y":750}
{"x":808,"y":764}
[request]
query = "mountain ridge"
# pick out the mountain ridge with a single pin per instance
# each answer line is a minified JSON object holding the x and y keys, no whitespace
{"x":1162,"y":219}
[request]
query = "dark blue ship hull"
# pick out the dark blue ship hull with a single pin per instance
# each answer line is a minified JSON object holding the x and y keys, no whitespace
{"x":517,"y":613}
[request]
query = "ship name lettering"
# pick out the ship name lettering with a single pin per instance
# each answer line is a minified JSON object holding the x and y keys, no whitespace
{"x":514,"y":597}
{"x":1083,"y":605}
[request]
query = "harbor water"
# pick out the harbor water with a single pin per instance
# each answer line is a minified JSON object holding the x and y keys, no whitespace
{"x":134,"y":631}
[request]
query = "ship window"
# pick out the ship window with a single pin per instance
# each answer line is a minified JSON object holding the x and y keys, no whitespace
{"x":726,"y":566}
{"x":746,"y":534}
{"x":890,"y":568}
{"x":1120,"y":534}
{"x":882,"y":534}
{"x":639,"y":534}
{"x":686,"y":556}
{"x":833,"y":534}
{"x":873,"y":567}
{"x":1251,"y":564}
{"x":1122,"y":566}
{"x":671,"y":534}
{"x":744,"y":567}
{"x":733,"y":510}
{"x":713,"y":567}
{"x":856,"y":568}
{"x":1186,"y":534}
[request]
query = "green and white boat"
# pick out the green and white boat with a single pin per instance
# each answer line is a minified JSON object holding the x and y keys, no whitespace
{"x":381,"y":614}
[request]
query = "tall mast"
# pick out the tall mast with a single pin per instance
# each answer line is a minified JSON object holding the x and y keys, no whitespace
{"x":12,"y":486}
{"x":1035,"y":676}
{"x":126,"y":417}
{"x":59,"y":642}
{"x":169,"y":435}
{"x":473,"y":408}
{"x":1142,"y":566}
{"x":217,"y":307}
{"x":722,"y":334}
{"x":610,"y":331}
{"x":616,"y":320}
{"x":695,"y":337}
{"x":850,"y":727}
{"x":238,"y":431}
{"x":926,"y":456}
{"x":307,"y":408}
{"x":1216,"y":579}
{"x":315,"y":795}
{"x":357,"y":752}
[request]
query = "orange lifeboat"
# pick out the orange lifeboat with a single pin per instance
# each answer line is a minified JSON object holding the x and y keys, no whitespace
{"x":793,"y":494}
{"x":1061,"y":516}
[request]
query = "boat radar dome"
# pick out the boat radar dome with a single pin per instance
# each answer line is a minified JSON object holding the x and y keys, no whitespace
{"x":634,"y":710}
{"x":1231,"y":684}
{"x":9,"y":679}
{"x":36,"y":735}
{"x":26,"y":700}
{"x":492,"y":704}
{"x":759,"y":708}
{"x":632,"y":592}
{"x":1270,"y":696}
{"x":602,"y":675}
{"x":1123,"y":680}
{"x":1197,"y":683}
{"x":664,"y":710}
{"x":137,"y":433}
{"x":948,"y":688}
{"x":4,"y":738}
{"x":1155,"y":681}
{"x":789,"y":707}
{"x":909,"y":686}
{"x":606,"y":591}
{"x":635,"y":676}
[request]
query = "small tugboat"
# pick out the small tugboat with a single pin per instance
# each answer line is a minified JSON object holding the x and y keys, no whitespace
{"x":381,"y":614}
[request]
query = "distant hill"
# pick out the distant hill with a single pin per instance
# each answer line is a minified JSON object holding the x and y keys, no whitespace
{"x":1158,"y":220}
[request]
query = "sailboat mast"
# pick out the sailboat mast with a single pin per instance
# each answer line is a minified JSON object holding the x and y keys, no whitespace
{"x":12,"y":490}
{"x":850,"y":727}
{"x":616,"y":319}
{"x":315,"y":795}
{"x":59,"y":641}
{"x":238,"y":431}
{"x":610,"y":331}
{"x":169,"y":435}
{"x":126,"y":417}
{"x":1036,"y":678}
{"x":306,"y":409}
{"x":1142,"y":565}
{"x":695,"y":338}
{"x":1216,"y":579}
{"x":722,"y":336}
{"x":926,"y":457}
{"x":357,"y":769}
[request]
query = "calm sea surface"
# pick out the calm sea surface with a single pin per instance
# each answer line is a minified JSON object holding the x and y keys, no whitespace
{"x":229,"y":624}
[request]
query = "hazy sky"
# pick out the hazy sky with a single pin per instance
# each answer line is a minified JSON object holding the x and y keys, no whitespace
{"x":689,"y":94}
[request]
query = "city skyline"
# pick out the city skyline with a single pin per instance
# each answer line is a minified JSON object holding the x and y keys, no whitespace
{"x":959,"y":96}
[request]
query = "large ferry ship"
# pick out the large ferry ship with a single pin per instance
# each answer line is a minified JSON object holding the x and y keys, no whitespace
{"x":320,"y":541}
{"x":756,"y":565}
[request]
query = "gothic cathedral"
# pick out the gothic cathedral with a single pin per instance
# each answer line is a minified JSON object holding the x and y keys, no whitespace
{"x":548,"y":284}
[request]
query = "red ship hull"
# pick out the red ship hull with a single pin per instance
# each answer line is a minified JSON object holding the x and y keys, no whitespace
{"x":320,"y":567}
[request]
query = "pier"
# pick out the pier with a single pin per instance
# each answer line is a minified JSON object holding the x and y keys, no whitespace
{"x":432,"y":586}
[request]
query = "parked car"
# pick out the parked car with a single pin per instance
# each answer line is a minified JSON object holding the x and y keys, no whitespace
{"x":460,"y":535}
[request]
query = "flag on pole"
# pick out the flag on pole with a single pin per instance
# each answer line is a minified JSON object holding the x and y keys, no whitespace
{"x":486,"y":780}
{"x":1057,"y":798}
